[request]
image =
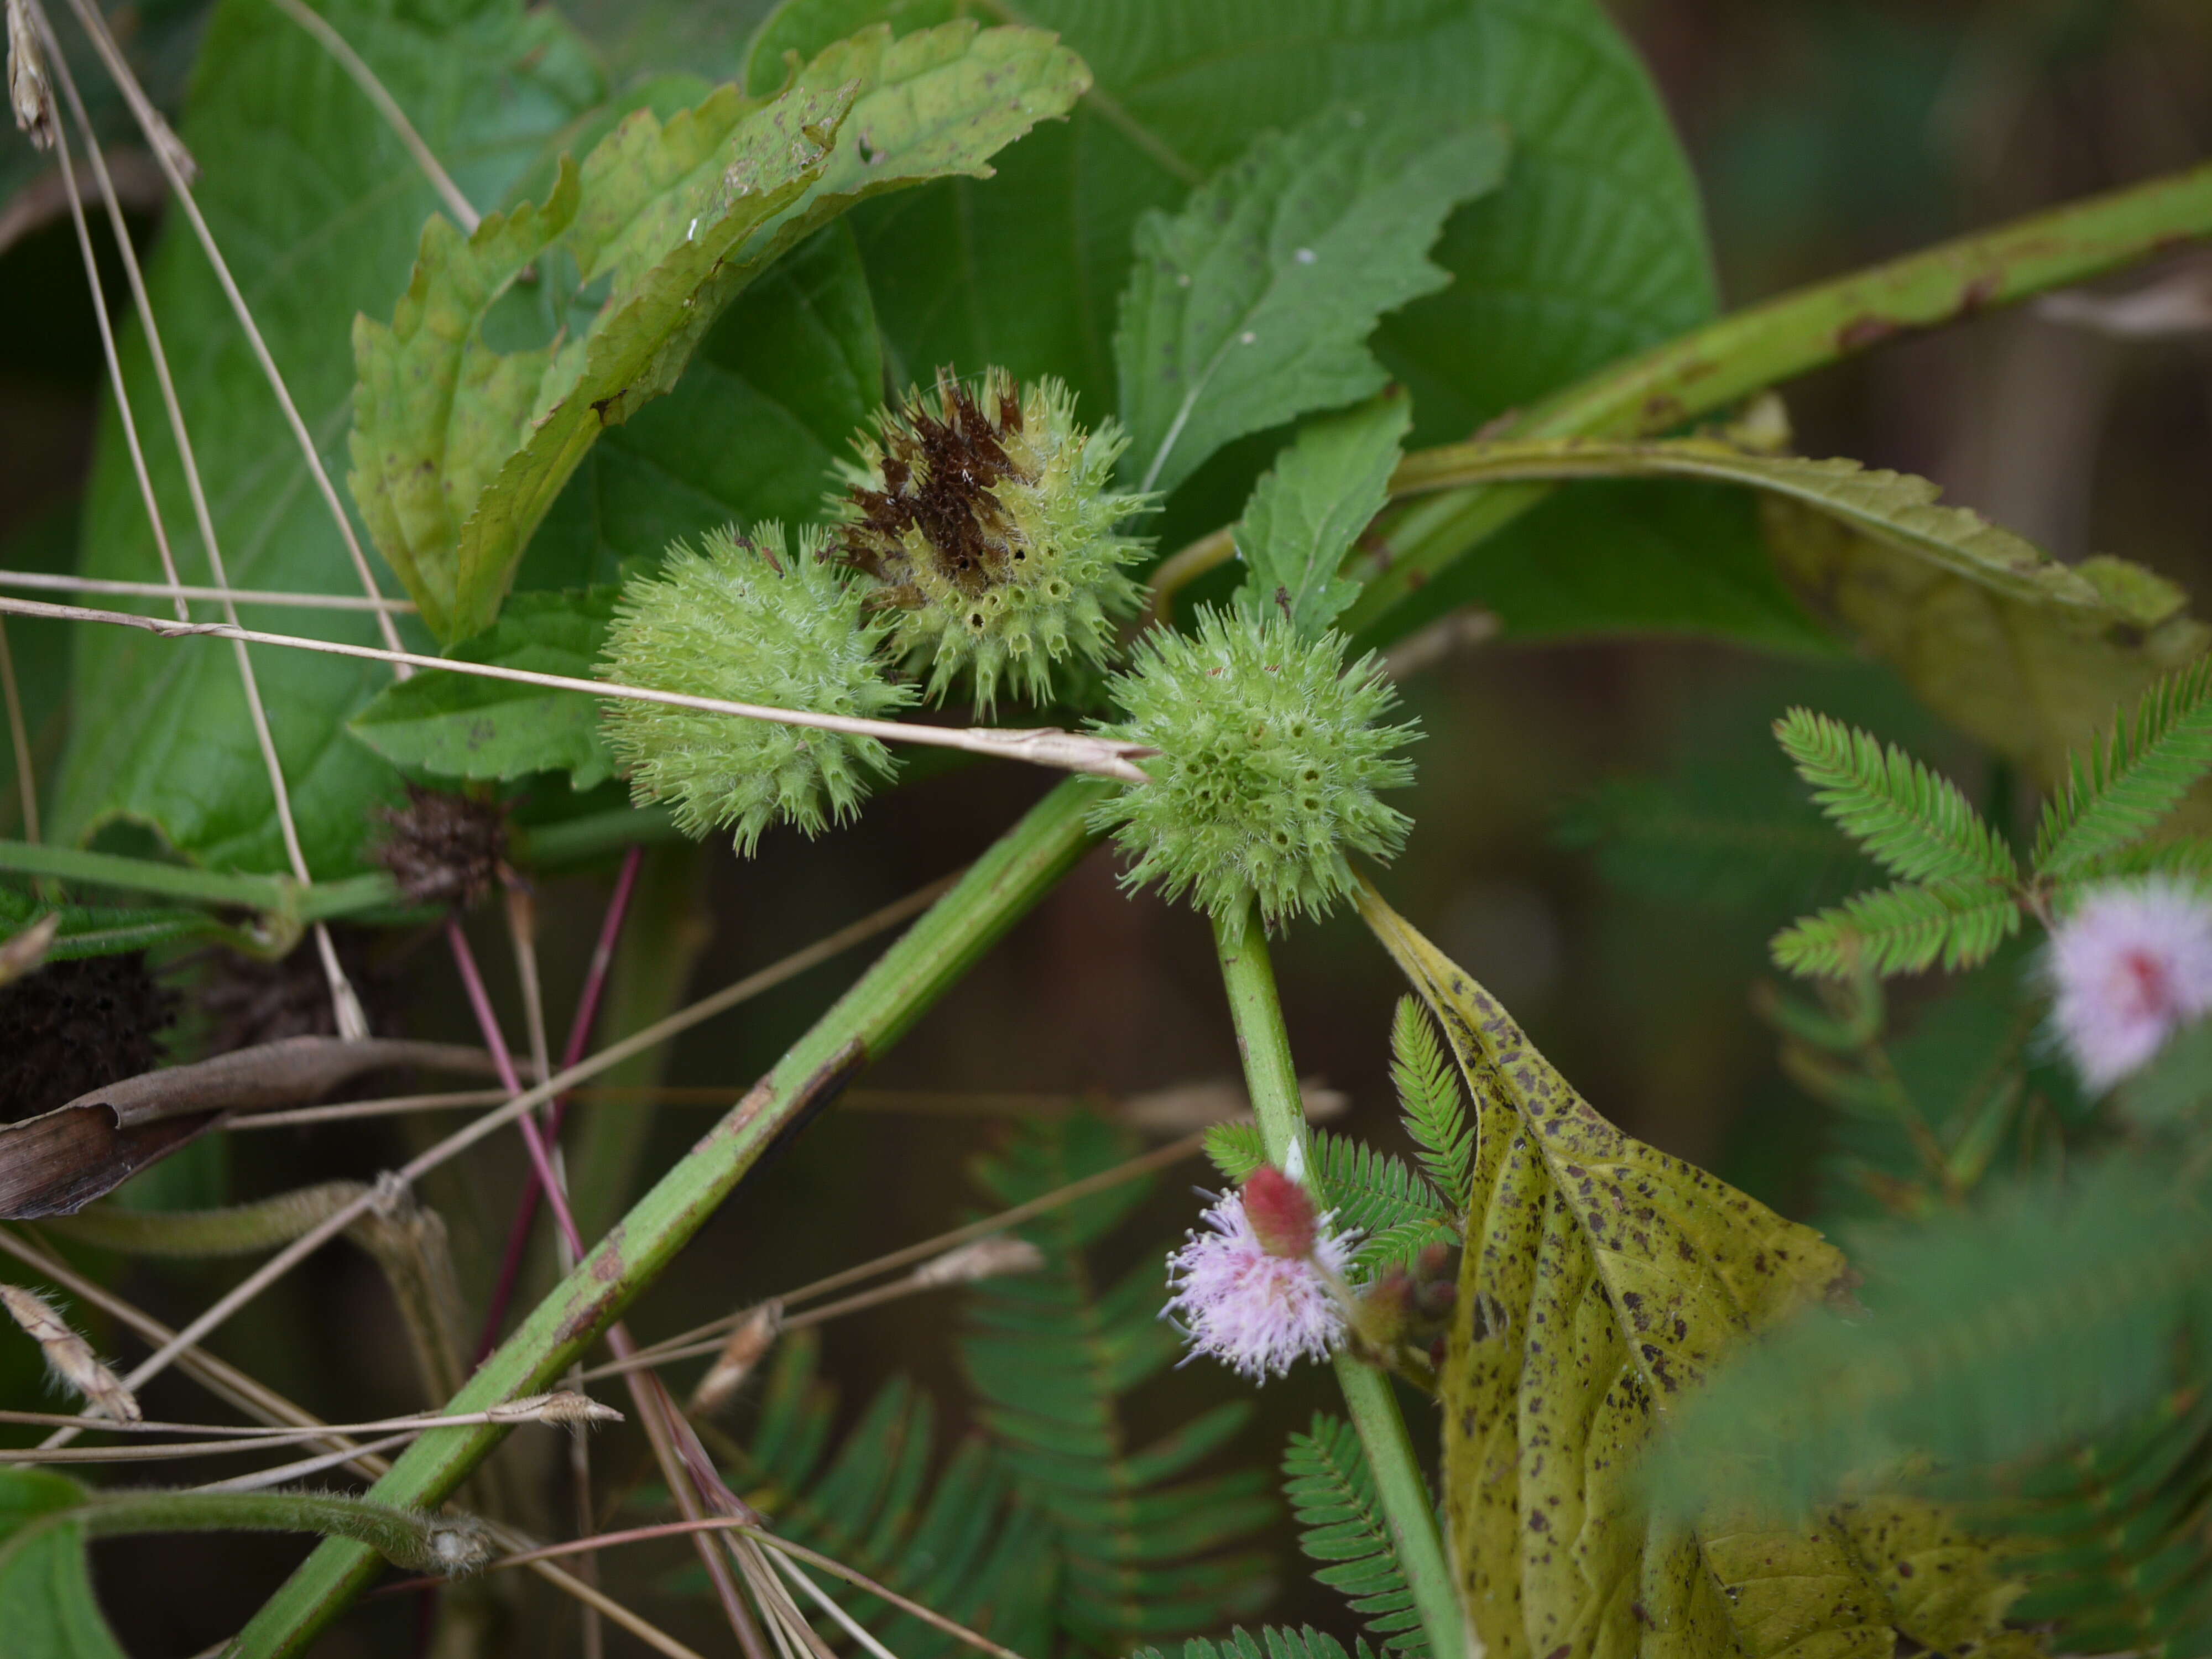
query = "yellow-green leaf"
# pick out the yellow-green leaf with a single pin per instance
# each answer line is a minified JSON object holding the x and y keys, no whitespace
{"x":459,"y":448}
{"x":2032,"y":660}
{"x":1603,"y":1280}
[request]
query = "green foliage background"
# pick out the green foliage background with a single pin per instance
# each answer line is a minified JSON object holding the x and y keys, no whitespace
{"x":1607,"y":834}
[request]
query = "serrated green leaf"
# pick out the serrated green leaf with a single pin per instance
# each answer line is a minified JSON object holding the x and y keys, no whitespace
{"x":1601,"y":1284}
{"x":318,"y":209}
{"x":460,"y":725}
{"x":2033,"y":661}
{"x":2120,"y":788}
{"x":46,"y":1601}
{"x":772,"y":397}
{"x":460,"y":449}
{"x":1307,"y":509}
{"x":1253,"y":304}
{"x":1903,"y":815}
{"x":1593,"y":248}
{"x":1901,"y":930}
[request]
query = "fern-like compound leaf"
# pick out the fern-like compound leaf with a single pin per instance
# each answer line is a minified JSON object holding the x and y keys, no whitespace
{"x":2003,"y":1333}
{"x":1429,"y":1094}
{"x":1147,"y":1552}
{"x":964,"y":1545}
{"x":2112,"y":1536}
{"x":1394,"y":1210}
{"x":1280,"y":1643}
{"x":2119,"y":790}
{"x":1915,"y":823}
{"x":1332,"y":1494}
{"x":1901,"y":930}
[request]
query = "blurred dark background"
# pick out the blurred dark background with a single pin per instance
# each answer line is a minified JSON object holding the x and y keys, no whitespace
{"x":1827,"y":134}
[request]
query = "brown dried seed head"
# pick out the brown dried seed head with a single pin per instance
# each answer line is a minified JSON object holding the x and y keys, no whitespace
{"x":29,"y":92}
{"x":987,"y":1258}
{"x":443,"y":849}
{"x":561,"y":1406}
{"x":249,"y":1001}
{"x":69,"y":1356}
{"x":74,"y":1026}
{"x":748,"y":1346}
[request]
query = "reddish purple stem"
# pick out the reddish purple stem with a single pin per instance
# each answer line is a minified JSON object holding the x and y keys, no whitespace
{"x":579,"y":1035}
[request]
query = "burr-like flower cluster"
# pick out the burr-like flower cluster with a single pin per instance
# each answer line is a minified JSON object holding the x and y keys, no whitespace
{"x":1270,"y":758}
{"x":2129,"y":966}
{"x":748,"y":619}
{"x":985,"y":527}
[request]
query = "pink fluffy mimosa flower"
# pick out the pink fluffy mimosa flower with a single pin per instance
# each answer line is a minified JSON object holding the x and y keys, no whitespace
{"x":2130,"y":967}
{"x":1254,"y":1289}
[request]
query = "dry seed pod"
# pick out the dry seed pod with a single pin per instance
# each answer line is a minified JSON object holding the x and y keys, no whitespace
{"x":987,"y":1258}
{"x":69,"y":1356}
{"x":748,"y":1346}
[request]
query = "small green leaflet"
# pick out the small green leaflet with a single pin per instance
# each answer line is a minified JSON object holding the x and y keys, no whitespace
{"x":47,"y":1603}
{"x":1252,"y":305}
{"x":1305,"y":513}
{"x":465,"y":727}
{"x":460,"y":449}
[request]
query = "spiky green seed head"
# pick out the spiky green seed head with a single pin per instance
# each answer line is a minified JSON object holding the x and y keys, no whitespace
{"x":984,"y":523}
{"x":1269,"y":760}
{"x":748,"y":619}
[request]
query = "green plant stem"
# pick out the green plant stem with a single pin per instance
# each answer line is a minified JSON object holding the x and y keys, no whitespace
{"x":404,"y":1536}
{"x":574,"y":840}
{"x":1766,"y":345}
{"x":1272,"y":1080}
{"x":279,"y":898}
{"x":997,"y":890}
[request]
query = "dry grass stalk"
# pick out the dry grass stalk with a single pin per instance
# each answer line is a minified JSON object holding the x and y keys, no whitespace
{"x":69,"y":1356}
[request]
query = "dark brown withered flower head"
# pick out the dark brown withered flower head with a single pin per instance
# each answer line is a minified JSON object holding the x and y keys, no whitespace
{"x":982,"y":517}
{"x":74,"y":1026}
{"x":249,"y":1001}
{"x":443,"y":849}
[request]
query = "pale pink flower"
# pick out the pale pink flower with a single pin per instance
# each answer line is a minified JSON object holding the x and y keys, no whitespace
{"x":2130,"y":967}
{"x":1259,"y":1311}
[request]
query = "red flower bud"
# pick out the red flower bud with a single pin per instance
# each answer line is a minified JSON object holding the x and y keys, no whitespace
{"x":1280,"y":1212}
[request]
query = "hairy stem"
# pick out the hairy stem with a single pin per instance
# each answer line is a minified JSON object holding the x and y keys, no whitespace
{"x":1001,"y":887}
{"x":1766,"y":345}
{"x":1249,"y":979}
{"x":402,"y":1535}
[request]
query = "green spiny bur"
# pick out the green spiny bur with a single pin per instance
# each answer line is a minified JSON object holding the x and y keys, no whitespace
{"x":749,"y":620}
{"x":1269,"y":762}
{"x":984,"y":523}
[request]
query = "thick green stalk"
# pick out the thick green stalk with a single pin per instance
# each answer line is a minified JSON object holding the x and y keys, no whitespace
{"x":1273,"y":1080}
{"x":997,"y":890}
{"x":1766,"y":345}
